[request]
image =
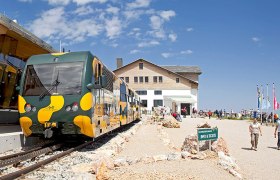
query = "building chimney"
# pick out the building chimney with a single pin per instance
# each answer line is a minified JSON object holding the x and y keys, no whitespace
{"x":119,"y":63}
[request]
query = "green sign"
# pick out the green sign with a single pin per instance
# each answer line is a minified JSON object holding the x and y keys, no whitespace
{"x":205,"y":134}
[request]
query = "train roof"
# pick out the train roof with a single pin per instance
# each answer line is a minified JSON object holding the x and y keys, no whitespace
{"x":70,"y":56}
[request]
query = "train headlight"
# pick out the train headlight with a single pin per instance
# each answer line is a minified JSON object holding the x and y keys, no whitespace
{"x":75,"y":106}
{"x":67,"y":108}
{"x":34,"y":109}
{"x":27,"y":107}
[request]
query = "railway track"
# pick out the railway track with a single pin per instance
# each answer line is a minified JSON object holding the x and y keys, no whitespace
{"x":16,"y":159}
{"x":37,"y":151}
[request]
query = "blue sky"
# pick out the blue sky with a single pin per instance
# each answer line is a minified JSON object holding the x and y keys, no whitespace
{"x":235,"y":42}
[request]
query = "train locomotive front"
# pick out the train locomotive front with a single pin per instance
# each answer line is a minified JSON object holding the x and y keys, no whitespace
{"x":54,"y":98}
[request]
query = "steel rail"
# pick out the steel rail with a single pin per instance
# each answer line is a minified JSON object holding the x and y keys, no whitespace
{"x":18,"y":154}
{"x":37,"y":147}
{"x":33,"y":154}
{"x":41,"y":163}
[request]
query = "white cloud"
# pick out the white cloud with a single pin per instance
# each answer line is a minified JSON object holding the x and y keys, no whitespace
{"x":148,"y":43}
{"x":49,"y":23}
{"x":157,"y":25}
{"x":187,"y":52}
{"x":134,"y":51}
{"x":166,"y":55}
{"x":53,"y":25}
{"x":133,"y":14}
{"x":113,"y":10}
{"x":156,"y":22}
{"x":166,"y":15}
{"x":25,"y":1}
{"x":113,"y":27}
{"x":255,"y":39}
{"x":135,"y":33}
{"x":172,"y":37}
{"x":109,"y":20}
{"x":138,"y":4}
{"x":83,"y":2}
{"x":58,"y":2}
{"x":115,"y":45}
{"x":136,"y":29}
{"x":190,"y":29}
{"x":83,"y":10}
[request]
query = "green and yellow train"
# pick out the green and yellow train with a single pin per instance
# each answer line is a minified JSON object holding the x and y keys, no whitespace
{"x":73,"y":94}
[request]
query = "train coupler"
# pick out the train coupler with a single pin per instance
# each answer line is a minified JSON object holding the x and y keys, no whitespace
{"x":48,"y":133}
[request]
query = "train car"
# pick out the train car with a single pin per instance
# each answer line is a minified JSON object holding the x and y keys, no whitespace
{"x":72,"y":94}
{"x":9,"y":80}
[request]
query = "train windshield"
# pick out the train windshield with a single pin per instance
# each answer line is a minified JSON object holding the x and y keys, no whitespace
{"x":53,"y":79}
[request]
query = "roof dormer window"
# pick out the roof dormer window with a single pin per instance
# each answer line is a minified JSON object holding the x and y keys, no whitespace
{"x":141,"y":65}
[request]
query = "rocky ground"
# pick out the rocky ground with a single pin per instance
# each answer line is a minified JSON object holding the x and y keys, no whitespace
{"x":159,"y":158}
{"x":148,"y":150}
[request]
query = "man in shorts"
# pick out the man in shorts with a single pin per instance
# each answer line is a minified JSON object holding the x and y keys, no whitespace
{"x":277,"y":129}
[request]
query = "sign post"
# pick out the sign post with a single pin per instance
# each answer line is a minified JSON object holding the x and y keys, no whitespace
{"x":206,"y":134}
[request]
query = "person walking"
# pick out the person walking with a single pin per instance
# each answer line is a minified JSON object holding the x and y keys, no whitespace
{"x":221,"y":114}
{"x":255,"y":130}
{"x":277,"y":129}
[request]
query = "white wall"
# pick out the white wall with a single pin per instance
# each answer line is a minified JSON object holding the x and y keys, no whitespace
{"x":150,"y":97}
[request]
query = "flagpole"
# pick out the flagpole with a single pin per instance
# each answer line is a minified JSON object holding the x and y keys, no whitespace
{"x":261,"y":101}
{"x":273,"y":92}
{"x":266,"y":103}
{"x":258,"y":97}
{"x":60,"y":46}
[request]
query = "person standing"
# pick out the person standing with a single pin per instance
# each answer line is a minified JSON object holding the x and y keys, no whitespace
{"x":209,"y":114}
{"x":277,"y":129}
{"x":255,"y":130}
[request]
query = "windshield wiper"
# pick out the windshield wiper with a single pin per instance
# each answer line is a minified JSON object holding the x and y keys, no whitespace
{"x":47,"y":91}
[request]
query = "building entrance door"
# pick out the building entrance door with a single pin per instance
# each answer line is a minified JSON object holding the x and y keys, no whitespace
{"x":185,"y":109}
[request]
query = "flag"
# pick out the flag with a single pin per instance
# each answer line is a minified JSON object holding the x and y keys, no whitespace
{"x":275,"y":103}
{"x":266,"y":104}
{"x":259,"y":96}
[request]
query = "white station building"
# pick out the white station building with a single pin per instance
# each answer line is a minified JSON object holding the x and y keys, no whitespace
{"x":175,"y":87}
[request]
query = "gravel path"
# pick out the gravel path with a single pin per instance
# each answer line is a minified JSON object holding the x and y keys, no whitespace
{"x":145,"y":143}
{"x":148,"y":142}
{"x":261,"y":164}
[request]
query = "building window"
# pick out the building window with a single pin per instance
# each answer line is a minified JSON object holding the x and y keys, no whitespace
{"x":135,"y":79}
{"x":157,"y":92}
{"x":141,"y":79}
{"x":155,"y":79}
{"x":177,"y":80}
{"x":146,"y":79}
{"x":160,"y":79}
{"x":141,"y":92}
{"x":127,"y":79}
{"x":158,"y":102}
{"x":141,"y":65}
{"x":144,"y":103}
{"x":122,"y":78}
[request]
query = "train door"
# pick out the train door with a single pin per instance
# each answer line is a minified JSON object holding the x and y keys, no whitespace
{"x":123,"y":104}
{"x":98,"y":93}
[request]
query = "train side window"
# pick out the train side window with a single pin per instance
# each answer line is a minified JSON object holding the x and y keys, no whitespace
{"x":97,"y":73}
{"x":99,"y":69}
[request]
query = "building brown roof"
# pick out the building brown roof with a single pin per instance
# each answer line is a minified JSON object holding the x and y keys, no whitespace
{"x":162,"y":67}
{"x":183,"y":69}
